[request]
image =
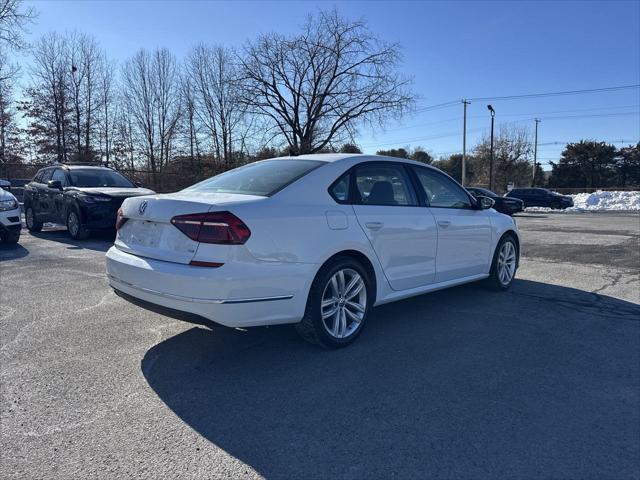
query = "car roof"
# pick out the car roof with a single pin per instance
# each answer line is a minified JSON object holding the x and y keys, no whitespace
{"x":345,"y":157}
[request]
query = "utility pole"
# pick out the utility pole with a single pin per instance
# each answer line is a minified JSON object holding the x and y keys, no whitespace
{"x":464,"y":144}
{"x":535,"y":154}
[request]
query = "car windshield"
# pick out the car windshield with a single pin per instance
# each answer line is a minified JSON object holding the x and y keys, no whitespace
{"x":89,"y":177}
{"x":261,"y":178}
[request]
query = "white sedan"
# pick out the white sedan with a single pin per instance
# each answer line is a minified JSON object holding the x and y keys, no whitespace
{"x":314,"y":240}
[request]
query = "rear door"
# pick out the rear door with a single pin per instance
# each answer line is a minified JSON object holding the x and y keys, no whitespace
{"x":464,"y":233}
{"x":402,"y":234}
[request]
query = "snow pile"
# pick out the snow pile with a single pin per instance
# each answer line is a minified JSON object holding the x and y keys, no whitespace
{"x":600,"y":201}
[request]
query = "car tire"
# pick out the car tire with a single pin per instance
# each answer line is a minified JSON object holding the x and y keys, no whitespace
{"x":33,"y":225}
{"x":10,"y":237}
{"x":504,"y":264}
{"x":339,"y":302}
{"x":556,"y":206}
{"x":74,"y":226}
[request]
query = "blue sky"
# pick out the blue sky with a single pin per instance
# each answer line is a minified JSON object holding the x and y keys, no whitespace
{"x":453,"y":50}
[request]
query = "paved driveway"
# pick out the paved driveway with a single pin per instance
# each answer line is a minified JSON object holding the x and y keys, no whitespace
{"x":539,"y":382}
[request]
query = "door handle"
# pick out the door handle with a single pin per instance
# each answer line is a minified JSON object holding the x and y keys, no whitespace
{"x":444,"y":223}
{"x":374,"y":225}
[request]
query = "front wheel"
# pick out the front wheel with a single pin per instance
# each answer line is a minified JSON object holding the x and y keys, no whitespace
{"x":30,"y":219}
{"x":338,"y":305}
{"x":10,"y":237}
{"x":75,"y":227}
{"x":503,"y":267}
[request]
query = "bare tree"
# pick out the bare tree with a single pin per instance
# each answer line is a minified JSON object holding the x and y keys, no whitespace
{"x":8,"y":127}
{"x":319,"y":85}
{"x":150,"y":89}
{"x":513,"y":157}
{"x":213,"y":73}
{"x":46,"y":101}
{"x":108,"y":102}
{"x":13,"y":20}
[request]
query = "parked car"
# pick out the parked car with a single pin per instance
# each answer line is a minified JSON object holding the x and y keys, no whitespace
{"x":10,"y":223}
{"x":314,"y":240}
{"x":505,"y":205}
{"x":541,"y":197}
{"x":82,"y":198}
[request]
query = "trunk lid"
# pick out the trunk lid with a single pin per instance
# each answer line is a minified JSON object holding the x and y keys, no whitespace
{"x":148,"y":232}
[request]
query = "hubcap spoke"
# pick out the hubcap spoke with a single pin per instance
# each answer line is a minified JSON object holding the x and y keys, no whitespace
{"x":506,"y":263}
{"x":343,"y":304}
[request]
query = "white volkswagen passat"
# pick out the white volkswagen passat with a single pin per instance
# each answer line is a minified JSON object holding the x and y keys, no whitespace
{"x":315,"y":240}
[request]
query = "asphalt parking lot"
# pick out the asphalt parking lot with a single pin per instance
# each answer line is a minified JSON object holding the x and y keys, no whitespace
{"x":542,"y":381}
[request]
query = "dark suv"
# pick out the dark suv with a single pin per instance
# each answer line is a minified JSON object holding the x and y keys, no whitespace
{"x":80,"y":197}
{"x":541,"y":197}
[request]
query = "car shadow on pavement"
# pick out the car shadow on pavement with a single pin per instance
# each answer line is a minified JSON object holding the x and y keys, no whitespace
{"x":12,"y":251}
{"x":99,"y":241}
{"x":539,"y":381}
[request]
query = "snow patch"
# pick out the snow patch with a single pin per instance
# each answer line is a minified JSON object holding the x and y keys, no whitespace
{"x":599,"y":201}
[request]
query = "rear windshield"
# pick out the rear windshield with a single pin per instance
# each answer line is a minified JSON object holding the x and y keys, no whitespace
{"x":261,"y":178}
{"x":89,"y":177}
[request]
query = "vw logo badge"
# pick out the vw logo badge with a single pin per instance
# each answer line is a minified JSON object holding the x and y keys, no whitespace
{"x":142,"y":207}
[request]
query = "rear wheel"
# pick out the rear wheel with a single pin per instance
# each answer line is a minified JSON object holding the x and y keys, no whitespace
{"x":75,"y":227}
{"x":30,"y":218}
{"x":338,"y":304}
{"x":503,"y":267}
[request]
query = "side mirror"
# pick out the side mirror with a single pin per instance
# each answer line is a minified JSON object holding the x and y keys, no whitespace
{"x":138,"y":184}
{"x":485,"y":203}
{"x":54,"y":184}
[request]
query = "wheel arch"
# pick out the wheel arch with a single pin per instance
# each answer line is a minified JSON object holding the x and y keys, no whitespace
{"x":361,"y":258}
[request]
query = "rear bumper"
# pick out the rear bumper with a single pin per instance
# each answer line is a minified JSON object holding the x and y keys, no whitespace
{"x":234,"y":295}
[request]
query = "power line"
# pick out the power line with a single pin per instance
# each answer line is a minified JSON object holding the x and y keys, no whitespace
{"x":555,"y":94}
{"x":420,"y":139}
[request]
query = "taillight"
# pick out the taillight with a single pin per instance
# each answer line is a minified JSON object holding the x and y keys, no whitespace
{"x":213,"y":227}
{"x":120,"y":219}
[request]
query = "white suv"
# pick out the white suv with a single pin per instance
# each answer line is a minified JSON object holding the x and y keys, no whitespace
{"x":10,"y":223}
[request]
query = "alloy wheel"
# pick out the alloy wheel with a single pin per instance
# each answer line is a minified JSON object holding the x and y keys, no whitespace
{"x":73,"y":224}
{"x":506,"y":262}
{"x":344,"y":303}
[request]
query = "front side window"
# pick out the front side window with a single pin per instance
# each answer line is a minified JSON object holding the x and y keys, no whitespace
{"x":383,"y":184}
{"x":89,"y":177}
{"x":441,"y":191}
{"x":60,"y":176}
{"x":46,"y":175}
{"x":261,"y":178}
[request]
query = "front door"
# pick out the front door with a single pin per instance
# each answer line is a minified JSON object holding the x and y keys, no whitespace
{"x":402,"y":234}
{"x":464,"y":232}
{"x":56,"y":198}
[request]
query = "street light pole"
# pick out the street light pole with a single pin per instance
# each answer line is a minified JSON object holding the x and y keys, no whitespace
{"x":535,"y":154}
{"x":464,"y":144}
{"x":493,"y":114}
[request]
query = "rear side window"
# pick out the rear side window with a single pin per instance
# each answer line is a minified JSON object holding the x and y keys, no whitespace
{"x":441,"y":191}
{"x":261,"y":178}
{"x":340,"y":189}
{"x":38,"y":176}
{"x":384,"y":184}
